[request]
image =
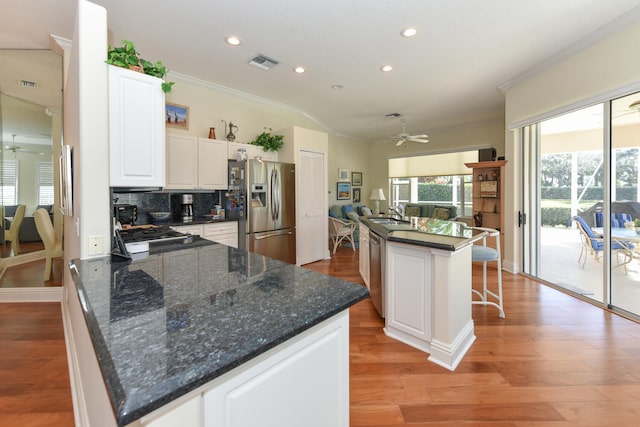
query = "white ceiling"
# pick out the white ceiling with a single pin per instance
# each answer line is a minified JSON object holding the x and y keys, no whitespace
{"x":448,"y":75}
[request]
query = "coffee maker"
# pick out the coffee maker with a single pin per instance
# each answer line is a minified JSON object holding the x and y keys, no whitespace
{"x":187,"y":208}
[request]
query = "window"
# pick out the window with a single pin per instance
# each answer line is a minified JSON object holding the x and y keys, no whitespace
{"x":9,"y":184}
{"x":447,"y":189}
{"x":45,"y":183}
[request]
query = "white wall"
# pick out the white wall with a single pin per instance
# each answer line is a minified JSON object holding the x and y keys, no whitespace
{"x":351,"y":154}
{"x":85,"y":129}
{"x":604,"y":68}
{"x":209,"y":104}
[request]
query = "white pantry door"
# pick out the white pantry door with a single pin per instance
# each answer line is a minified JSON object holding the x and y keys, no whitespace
{"x":311,"y":216}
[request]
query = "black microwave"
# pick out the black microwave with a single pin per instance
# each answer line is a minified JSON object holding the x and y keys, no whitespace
{"x":126,"y":214}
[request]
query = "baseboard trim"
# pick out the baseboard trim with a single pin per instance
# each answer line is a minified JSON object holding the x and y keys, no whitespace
{"x":41,"y":294}
{"x":77,"y":393}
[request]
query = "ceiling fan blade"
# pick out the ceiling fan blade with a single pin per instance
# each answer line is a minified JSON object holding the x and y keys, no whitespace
{"x":624,"y":114}
{"x":399,"y":143}
{"x":424,"y":141}
{"x":419,"y":136}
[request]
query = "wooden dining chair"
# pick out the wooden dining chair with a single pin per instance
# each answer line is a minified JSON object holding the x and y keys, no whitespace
{"x":52,"y":245}
{"x":13,"y":233}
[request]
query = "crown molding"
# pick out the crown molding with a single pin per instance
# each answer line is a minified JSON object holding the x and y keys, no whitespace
{"x":592,"y":38}
{"x":172,"y":75}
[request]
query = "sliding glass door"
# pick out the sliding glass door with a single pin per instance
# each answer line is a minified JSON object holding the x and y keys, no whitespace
{"x":564,"y":180}
{"x":581,"y":202}
{"x":624,"y":207}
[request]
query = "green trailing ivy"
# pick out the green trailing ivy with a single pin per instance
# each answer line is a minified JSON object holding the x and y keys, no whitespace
{"x":269,"y":142}
{"x":126,"y":56}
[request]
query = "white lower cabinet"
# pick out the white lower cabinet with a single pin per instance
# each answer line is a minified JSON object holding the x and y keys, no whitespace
{"x":409,"y":293}
{"x":222,"y":232}
{"x":364,"y":253}
{"x":304,"y":381}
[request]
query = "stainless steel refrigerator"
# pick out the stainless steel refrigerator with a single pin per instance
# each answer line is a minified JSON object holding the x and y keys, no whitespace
{"x":261,"y":198}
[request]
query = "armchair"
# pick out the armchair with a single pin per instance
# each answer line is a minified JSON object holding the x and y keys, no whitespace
{"x":340,"y":230}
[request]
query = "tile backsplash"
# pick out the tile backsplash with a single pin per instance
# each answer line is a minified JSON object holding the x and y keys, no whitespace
{"x":166,"y":202}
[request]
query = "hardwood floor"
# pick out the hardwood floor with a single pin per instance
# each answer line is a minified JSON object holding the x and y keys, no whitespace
{"x":34,"y":378}
{"x":554,"y":361}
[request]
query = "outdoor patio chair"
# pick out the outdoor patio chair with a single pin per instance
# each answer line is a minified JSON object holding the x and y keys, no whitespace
{"x":595,"y":245}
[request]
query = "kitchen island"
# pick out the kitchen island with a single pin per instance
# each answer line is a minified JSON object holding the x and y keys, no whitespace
{"x":205,"y":334}
{"x":424,"y":285}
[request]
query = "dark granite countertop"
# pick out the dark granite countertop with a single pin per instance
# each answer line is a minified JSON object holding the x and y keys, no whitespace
{"x":173,"y":320}
{"x":429,"y":232}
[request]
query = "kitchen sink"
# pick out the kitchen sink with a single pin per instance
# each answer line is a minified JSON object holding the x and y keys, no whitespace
{"x":388,"y":221}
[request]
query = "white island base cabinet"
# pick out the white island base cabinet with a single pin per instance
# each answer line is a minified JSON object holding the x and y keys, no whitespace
{"x":302,"y":382}
{"x":428,"y":300}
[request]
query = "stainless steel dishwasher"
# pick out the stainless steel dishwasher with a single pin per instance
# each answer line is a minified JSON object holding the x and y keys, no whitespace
{"x":376,"y":271}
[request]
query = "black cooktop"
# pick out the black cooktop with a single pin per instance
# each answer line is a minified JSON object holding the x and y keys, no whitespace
{"x":148,"y":234}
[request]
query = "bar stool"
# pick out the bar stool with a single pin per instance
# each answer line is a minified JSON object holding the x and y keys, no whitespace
{"x":486,"y":254}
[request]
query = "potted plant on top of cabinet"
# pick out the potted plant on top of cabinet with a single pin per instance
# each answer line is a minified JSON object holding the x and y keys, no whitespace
{"x":126,"y":56}
{"x":269,"y":142}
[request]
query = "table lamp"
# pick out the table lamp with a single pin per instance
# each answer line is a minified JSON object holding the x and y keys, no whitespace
{"x":377,"y":195}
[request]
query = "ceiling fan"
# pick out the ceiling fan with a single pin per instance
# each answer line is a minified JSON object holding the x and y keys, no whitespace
{"x":16,"y":148}
{"x":404,"y":137}
{"x":633,"y":108}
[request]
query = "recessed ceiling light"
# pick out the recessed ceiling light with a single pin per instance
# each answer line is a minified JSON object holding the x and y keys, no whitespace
{"x":299,"y":70}
{"x":409,"y":32}
{"x":386,"y":68}
{"x":232,"y":40}
{"x":337,"y":87}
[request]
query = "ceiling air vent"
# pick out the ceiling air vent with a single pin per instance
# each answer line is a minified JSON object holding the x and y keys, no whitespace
{"x":263,"y":62}
{"x":28,"y":84}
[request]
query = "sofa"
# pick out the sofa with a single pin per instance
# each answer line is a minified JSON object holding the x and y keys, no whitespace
{"x":350,"y":213}
{"x":431,"y":210}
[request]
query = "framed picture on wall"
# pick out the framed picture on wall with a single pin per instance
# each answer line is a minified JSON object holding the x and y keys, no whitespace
{"x":356,"y":195}
{"x":344,"y":191}
{"x":343,"y":175}
{"x":177,"y":116}
{"x":356,"y":178}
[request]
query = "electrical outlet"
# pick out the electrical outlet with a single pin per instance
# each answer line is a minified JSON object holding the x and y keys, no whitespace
{"x":96,"y":245}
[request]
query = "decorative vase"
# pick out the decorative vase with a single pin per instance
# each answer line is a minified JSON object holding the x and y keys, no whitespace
{"x":212,"y":133}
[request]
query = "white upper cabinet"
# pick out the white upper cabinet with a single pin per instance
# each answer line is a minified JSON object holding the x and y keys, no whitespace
{"x":136,"y":129}
{"x":196,"y":163}
{"x":182,"y":162}
{"x":212,"y":164}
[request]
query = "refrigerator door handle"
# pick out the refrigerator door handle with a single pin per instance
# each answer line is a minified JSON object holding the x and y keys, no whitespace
{"x":264,"y":236}
{"x":275,"y":195}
